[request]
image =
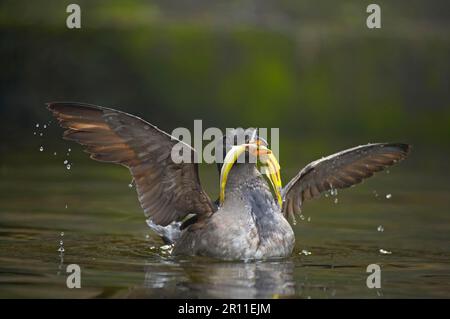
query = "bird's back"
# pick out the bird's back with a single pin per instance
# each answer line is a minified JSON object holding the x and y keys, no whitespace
{"x":249,"y":225}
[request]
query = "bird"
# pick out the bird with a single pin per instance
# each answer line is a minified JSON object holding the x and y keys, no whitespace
{"x":250,"y":220}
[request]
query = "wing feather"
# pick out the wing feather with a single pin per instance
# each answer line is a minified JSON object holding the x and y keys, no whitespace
{"x":340,"y":170}
{"x":167,"y":191}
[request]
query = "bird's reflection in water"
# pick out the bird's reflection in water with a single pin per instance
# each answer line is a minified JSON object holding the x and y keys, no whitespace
{"x":199,"y":278}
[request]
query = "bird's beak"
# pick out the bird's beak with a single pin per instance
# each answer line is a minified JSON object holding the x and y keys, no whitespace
{"x":268,"y":164}
{"x":271,"y":168}
{"x":228,"y":163}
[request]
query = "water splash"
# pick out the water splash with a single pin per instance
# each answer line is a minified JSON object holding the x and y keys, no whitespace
{"x":305,"y":252}
{"x":385,"y":252}
{"x":61,"y":253}
{"x":61,"y":244}
{"x":166,"y":249}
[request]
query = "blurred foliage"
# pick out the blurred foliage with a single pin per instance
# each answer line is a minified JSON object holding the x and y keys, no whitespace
{"x":311,"y":68}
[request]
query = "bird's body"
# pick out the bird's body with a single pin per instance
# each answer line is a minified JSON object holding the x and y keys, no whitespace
{"x":249,"y":224}
{"x":249,"y":221}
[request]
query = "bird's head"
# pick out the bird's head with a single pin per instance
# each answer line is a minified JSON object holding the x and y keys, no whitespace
{"x":241,"y":147}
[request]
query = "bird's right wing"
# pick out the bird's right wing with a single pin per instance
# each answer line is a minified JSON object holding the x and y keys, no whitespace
{"x":339,"y":170}
{"x":167,"y":191}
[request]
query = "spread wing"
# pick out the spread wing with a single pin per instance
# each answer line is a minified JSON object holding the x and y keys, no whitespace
{"x":340,"y":170}
{"x":167,"y":191}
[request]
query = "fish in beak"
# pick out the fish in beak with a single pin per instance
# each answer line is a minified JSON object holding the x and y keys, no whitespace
{"x":267,"y":161}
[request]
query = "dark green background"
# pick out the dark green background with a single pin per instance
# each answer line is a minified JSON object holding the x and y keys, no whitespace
{"x":311,"y":68}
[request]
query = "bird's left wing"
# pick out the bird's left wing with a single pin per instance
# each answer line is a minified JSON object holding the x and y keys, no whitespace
{"x":167,"y":191}
{"x":339,"y":170}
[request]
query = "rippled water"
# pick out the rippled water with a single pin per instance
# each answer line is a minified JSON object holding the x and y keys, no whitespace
{"x":105,"y":233}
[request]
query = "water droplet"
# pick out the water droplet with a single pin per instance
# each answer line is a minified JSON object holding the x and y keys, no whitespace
{"x":65,"y":162}
{"x":68,"y":166}
{"x":165,"y":247}
{"x":388,"y":196}
{"x":380,"y":228}
{"x":309,"y":218}
{"x":66,"y":206}
{"x":375,"y":193}
{"x":37,"y":124}
{"x":336,"y":200}
{"x":130,"y":185}
{"x":61,"y":242}
{"x":302,"y":217}
{"x":41,"y":148}
{"x":69,"y":150}
{"x":34,"y":133}
{"x":45,"y":126}
{"x":387,"y":171}
{"x":40,"y":134}
{"x":147,"y":236}
{"x":385,"y":252}
{"x":305,"y":252}
{"x":61,"y":249}
{"x":54,"y":153}
{"x":62,"y":233}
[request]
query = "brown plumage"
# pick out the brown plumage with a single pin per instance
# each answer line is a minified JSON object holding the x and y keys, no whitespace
{"x":340,"y":170}
{"x":250,"y":223}
{"x":167,"y":191}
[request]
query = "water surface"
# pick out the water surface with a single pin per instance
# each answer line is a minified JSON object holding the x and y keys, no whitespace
{"x":105,"y":233}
